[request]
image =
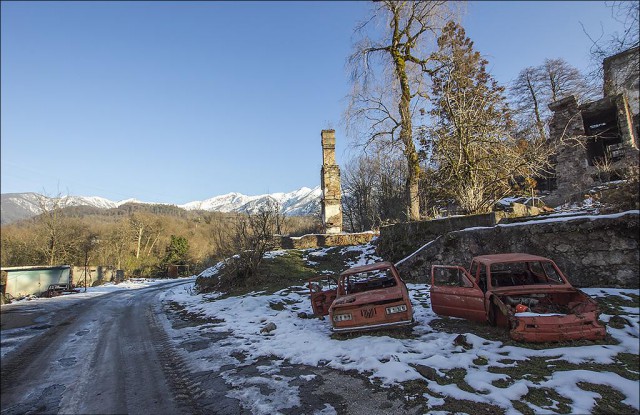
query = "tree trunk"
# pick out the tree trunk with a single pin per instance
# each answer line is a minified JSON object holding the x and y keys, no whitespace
{"x":536,"y":110}
{"x":139,"y":241}
{"x":406,"y":136}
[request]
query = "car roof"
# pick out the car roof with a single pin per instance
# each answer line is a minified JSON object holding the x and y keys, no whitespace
{"x":368,"y":267}
{"x":510,"y":257}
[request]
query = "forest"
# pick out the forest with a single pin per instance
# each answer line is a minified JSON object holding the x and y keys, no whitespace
{"x":142,"y":239}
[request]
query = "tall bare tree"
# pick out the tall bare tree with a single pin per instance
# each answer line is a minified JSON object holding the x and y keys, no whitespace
{"x":538,"y":86}
{"x":388,"y":74}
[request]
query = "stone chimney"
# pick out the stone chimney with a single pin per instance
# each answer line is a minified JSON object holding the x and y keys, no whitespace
{"x":330,"y":181}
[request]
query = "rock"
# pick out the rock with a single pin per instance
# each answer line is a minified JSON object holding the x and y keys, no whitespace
{"x":426,"y":371}
{"x":618,"y":322}
{"x":269,"y":328}
{"x":302,"y":314}
{"x":461,"y":340}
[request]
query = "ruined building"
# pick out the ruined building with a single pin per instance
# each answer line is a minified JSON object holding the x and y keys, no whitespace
{"x":330,"y":182}
{"x":601,"y":136}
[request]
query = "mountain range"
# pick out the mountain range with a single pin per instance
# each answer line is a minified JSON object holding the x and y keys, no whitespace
{"x":304,"y":201}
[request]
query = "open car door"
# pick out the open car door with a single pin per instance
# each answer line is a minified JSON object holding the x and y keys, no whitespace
{"x":323,"y":292}
{"x":454,"y":293}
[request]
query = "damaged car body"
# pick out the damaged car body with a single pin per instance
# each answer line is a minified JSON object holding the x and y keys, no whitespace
{"x":528,"y":294}
{"x":366,"y":297}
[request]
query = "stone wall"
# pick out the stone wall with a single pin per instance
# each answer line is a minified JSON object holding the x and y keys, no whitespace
{"x":325,"y":240}
{"x":597,"y":251}
{"x":401,"y":239}
{"x":621,"y":76}
{"x":572,"y":175}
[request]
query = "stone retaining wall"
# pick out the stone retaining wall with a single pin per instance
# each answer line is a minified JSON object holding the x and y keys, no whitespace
{"x":591,"y":250}
{"x":399,"y":240}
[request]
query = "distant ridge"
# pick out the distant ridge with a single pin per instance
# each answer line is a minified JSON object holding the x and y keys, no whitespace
{"x":304,"y":201}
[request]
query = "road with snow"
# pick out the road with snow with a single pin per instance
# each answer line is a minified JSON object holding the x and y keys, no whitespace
{"x":103,"y":354}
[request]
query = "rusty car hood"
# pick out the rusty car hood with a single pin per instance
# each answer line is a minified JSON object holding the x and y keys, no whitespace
{"x":368,"y":297}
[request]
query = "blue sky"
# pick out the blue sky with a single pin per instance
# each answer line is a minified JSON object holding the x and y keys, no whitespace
{"x":181,"y":101}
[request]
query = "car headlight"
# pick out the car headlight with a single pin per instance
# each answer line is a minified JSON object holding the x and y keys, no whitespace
{"x":342,"y":317}
{"x":397,"y":309}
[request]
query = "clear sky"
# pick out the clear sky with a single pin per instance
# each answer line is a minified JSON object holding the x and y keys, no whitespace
{"x":181,"y":101}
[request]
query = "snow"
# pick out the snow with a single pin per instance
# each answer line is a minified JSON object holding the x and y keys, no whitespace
{"x":298,"y":202}
{"x":390,"y":360}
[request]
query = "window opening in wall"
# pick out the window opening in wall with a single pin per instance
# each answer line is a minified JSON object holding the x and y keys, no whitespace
{"x":605,"y":141}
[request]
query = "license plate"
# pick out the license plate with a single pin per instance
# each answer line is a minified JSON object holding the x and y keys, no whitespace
{"x":368,"y":312}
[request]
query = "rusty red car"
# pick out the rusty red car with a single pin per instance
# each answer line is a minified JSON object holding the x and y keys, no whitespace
{"x":527,"y":294}
{"x":366,"y":297}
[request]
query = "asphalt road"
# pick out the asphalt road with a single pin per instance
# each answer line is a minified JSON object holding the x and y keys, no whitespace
{"x":111,"y":355}
{"x":106,"y":354}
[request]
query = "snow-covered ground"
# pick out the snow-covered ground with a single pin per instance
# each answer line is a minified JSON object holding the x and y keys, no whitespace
{"x":389,"y":360}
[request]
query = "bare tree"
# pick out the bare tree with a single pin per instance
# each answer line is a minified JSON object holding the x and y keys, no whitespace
{"x":604,"y":45}
{"x":254,"y":236}
{"x":529,"y":101}
{"x":538,"y":86}
{"x":358,"y":185}
{"x":388,"y":71}
{"x":560,"y":80}
{"x":51,"y":219}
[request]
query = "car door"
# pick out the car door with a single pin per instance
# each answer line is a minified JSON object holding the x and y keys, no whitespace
{"x":455,"y":294}
{"x":323,"y":293}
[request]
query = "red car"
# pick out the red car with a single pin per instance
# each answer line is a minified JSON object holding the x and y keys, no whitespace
{"x":528,"y":294}
{"x":367,"y":297}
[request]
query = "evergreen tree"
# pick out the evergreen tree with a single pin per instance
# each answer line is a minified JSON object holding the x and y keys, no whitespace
{"x":475,"y":158}
{"x":177,"y":250}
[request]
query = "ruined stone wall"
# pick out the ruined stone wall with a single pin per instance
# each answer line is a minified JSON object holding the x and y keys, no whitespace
{"x":572,"y":169}
{"x":325,"y":240}
{"x":592,"y":251}
{"x":621,"y":76}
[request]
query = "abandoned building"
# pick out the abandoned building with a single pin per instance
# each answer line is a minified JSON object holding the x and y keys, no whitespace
{"x":20,"y":281}
{"x":330,"y":182}
{"x":599,"y":138}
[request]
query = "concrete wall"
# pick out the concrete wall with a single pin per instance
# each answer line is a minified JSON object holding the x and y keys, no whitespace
{"x":591,"y":250}
{"x":95,"y":275}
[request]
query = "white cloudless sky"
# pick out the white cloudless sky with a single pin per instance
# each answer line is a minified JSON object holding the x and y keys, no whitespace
{"x":181,"y":101}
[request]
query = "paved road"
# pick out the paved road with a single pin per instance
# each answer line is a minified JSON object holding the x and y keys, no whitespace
{"x":105,"y":354}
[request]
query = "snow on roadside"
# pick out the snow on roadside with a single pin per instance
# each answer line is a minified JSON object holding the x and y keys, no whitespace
{"x":131,"y":284}
{"x":387,"y":360}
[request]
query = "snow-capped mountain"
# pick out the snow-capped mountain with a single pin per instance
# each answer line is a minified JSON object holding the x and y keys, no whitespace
{"x":304,"y":201}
